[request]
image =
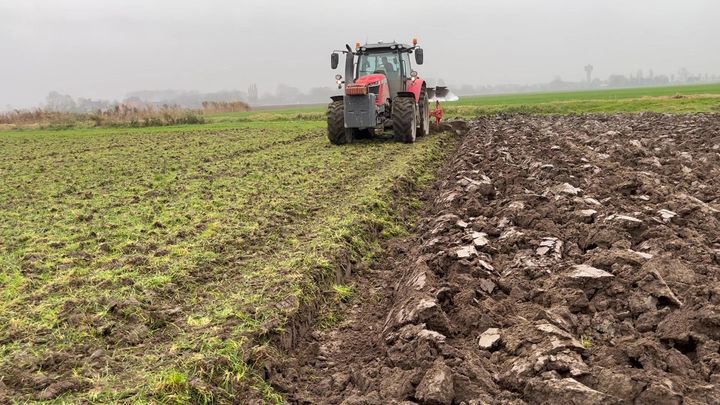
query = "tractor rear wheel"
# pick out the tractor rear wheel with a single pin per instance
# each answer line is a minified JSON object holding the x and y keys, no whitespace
{"x":337,"y":133}
{"x":404,"y":117}
{"x":424,"y":108}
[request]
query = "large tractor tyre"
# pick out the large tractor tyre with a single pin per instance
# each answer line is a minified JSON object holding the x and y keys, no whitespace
{"x":337,"y":133}
{"x":404,"y":117}
{"x":424,"y":108}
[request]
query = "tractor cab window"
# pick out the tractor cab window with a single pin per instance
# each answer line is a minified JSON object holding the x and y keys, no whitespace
{"x":379,"y":62}
{"x":406,"y":64}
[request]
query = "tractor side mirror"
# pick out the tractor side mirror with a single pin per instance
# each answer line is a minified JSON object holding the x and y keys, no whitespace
{"x":334,"y":60}
{"x":419,"y":56}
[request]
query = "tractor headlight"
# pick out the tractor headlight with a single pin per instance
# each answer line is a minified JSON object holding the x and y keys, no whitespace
{"x":413,"y":75}
{"x":338,"y":77}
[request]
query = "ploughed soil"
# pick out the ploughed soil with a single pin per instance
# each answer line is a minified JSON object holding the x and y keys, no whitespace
{"x":571,"y":259}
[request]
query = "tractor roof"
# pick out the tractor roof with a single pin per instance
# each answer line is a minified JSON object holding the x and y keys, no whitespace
{"x":384,"y":45}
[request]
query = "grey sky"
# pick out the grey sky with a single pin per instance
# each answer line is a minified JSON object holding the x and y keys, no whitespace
{"x":105,"y":48}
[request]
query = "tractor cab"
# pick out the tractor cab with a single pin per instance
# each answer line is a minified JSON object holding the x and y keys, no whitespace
{"x":389,"y":59}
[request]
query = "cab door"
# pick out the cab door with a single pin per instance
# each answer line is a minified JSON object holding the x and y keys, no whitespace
{"x":405,"y":68}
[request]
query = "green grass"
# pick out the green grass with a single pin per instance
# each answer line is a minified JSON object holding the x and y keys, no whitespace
{"x":343,"y":293}
{"x":305,"y":114}
{"x":603,"y":94}
{"x":176,"y":250}
{"x":669,"y":99}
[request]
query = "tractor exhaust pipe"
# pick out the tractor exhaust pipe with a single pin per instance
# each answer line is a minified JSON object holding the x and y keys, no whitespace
{"x":349,"y":66}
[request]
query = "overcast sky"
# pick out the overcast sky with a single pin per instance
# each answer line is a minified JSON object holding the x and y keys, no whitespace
{"x":106,"y":48}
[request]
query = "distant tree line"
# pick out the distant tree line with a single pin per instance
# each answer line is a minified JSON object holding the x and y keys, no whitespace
{"x":222,"y":100}
{"x":57,"y":102}
{"x":186,"y":99}
{"x":288,"y":95}
{"x":283,"y":94}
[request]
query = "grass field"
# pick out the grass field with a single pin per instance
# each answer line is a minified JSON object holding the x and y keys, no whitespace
{"x":673,"y":99}
{"x":153,"y":264}
{"x":603,"y":94}
{"x":162,"y":252}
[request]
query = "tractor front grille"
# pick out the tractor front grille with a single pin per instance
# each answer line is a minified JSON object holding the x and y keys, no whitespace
{"x":356,"y":90}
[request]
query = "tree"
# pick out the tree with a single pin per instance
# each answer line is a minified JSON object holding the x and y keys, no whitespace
{"x":60,"y":102}
{"x":588,"y":72}
{"x":617,"y":81}
{"x":466,"y":89}
{"x":320,"y":94}
{"x":683,"y":75}
{"x":287,"y":94}
{"x":253,"y":93}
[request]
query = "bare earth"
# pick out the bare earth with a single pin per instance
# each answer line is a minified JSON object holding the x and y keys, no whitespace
{"x":568,"y":260}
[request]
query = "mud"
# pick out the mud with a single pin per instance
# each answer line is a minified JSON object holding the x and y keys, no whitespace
{"x":560,"y":260}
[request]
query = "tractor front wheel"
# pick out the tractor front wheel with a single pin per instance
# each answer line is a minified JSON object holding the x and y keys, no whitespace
{"x":404,"y":118}
{"x":337,"y":133}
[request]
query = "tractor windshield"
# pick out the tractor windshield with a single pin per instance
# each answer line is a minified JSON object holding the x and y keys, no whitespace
{"x":386,"y":62}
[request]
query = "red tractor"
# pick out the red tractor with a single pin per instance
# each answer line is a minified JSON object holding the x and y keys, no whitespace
{"x":382,"y":91}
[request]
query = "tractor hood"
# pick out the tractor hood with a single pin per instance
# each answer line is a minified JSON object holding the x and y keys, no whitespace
{"x":370,"y":79}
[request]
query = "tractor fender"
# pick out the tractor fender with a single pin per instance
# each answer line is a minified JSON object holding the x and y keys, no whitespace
{"x":337,"y":98}
{"x":415,"y":87}
{"x":408,"y":94}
